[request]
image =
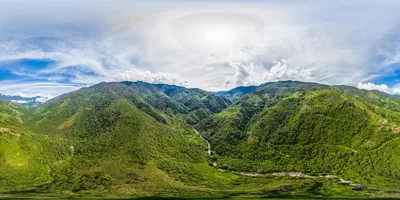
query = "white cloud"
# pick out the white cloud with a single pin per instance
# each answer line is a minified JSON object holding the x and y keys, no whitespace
{"x":371,"y":86}
{"x":147,"y":76}
{"x":278,"y":71}
{"x":212,"y":46}
{"x":382,"y":87}
{"x":19,"y":94}
{"x":47,"y":90}
{"x":43,"y":99}
{"x":319,"y":42}
{"x":19,"y":101}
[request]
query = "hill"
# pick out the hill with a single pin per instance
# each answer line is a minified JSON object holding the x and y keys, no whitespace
{"x":136,"y":138}
{"x":121,"y":137}
{"x":310,"y":128}
{"x":21,"y":150}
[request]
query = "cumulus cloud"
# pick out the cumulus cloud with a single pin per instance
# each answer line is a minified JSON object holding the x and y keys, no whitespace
{"x":213,"y":46}
{"x":147,"y":76}
{"x":371,"y":86}
{"x":381,"y":87}
{"x":270,"y":42}
{"x":252,"y":74}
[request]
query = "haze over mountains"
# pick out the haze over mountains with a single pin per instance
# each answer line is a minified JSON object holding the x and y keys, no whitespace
{"x":23,"y":100}
{"x":137,"y":138}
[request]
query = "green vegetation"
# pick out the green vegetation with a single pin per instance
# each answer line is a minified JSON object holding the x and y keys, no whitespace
{"x":136,"y":139}
{"x":313,"y":129}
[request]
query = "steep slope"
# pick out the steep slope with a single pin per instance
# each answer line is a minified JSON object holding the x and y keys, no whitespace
{"x":113,"y":134}
{"x":113,"y":140}
{"x":106,"y":136}
{"x":21,"y":151}
{"x":310,"y":128}
{"x":195,"y":103}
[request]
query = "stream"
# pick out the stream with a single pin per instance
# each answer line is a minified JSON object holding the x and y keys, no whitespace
{"x":291,"y":173}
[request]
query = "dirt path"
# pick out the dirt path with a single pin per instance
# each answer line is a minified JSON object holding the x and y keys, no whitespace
{"x":385,"y":143}
{"x":73,"y":152}
{"x":209,"y":152}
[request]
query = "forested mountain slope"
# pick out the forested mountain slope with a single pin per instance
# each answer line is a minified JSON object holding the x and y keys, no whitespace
{"x":122,"y":139}
{"x":21,"y":151}
{"x":111,"y":133}
{"x":118,"y":139}
{"x":310,"y":128}
{"x":136,"y":138}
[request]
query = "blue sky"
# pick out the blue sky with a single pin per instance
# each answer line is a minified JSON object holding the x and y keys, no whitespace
{"x":49,"y":48}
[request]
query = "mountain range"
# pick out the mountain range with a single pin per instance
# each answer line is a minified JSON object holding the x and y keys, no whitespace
{"x":23,"y":100}
{"x":139,"y":139}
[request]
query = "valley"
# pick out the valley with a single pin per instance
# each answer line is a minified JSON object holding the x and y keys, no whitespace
{"x":290,"y":174}
{"x":136,"y":139}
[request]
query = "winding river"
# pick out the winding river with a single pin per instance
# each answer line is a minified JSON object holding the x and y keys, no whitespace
{"x":291,"y":173}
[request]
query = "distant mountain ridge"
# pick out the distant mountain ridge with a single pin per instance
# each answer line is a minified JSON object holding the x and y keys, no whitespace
{"x":235,"y":93}
{"x":23,"y":100}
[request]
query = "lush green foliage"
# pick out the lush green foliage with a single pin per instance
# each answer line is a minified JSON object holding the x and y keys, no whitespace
{"x":136,"y":138}
{"x":311,"y":128}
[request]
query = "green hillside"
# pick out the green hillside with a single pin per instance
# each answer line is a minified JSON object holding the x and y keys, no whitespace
{"x":310,"y":128}
{"x":21,"y":151}
{"x":136,"y":138}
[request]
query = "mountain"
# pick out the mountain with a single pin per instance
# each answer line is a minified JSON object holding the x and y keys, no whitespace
{"x":28,"y":102}
{"x":310,"y":128}
{"x":235,"y":93}
{"x":119,"y":138}
{"x":125,"y":137}
{"x":197,"y":104}
{"x":137,"y":139}
{"x":117,"y":134}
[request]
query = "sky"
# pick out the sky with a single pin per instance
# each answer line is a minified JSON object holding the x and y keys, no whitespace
{"x":50,"y":47}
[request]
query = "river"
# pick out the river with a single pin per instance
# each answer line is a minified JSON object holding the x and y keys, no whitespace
{"x":291,"y":173}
